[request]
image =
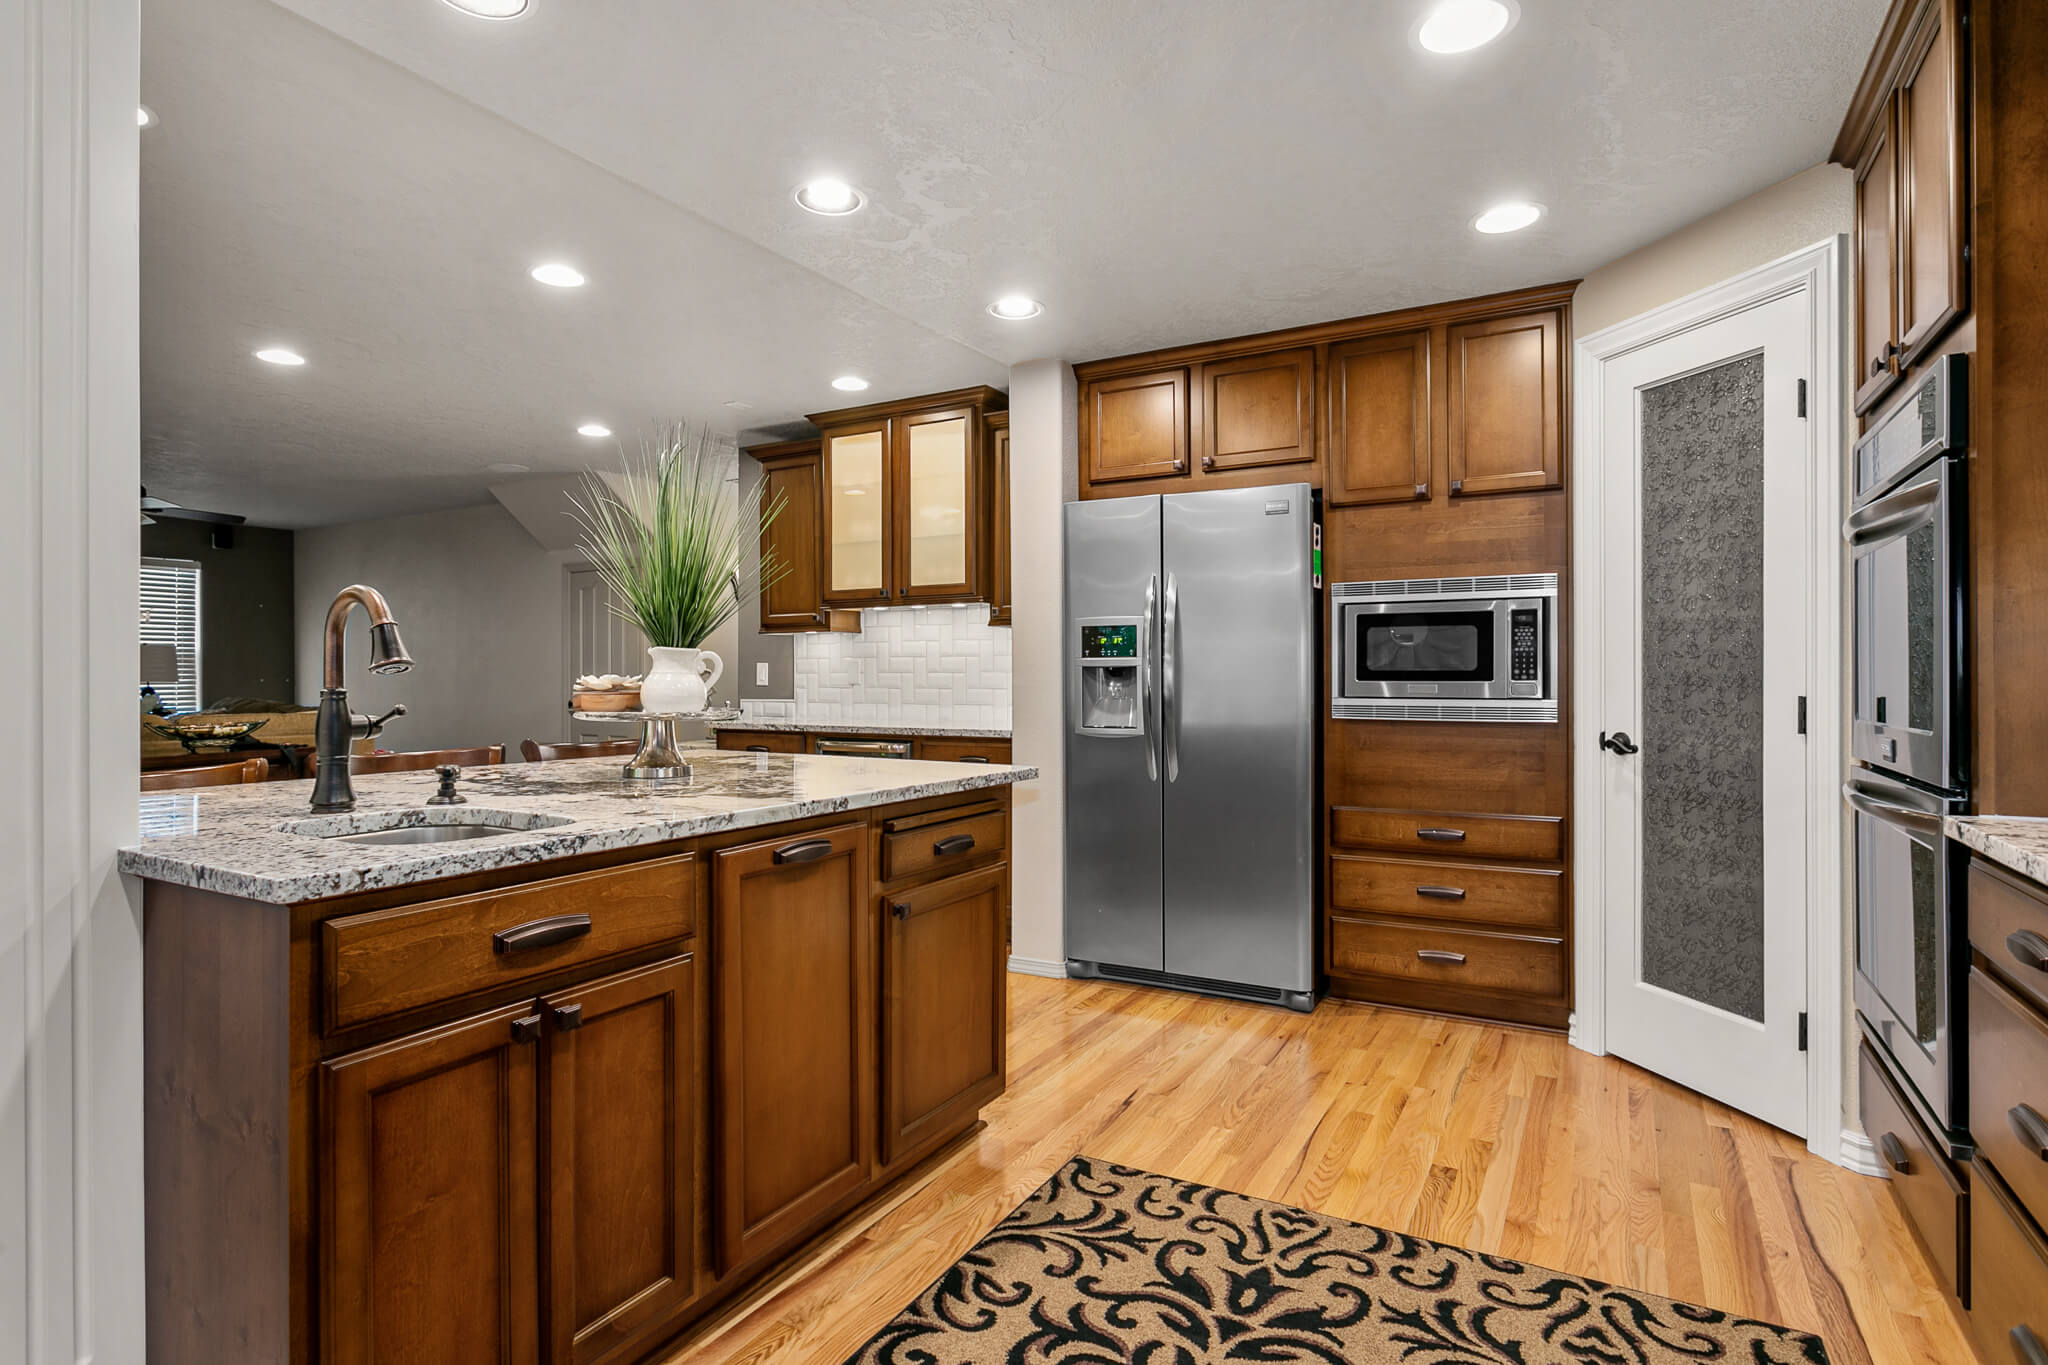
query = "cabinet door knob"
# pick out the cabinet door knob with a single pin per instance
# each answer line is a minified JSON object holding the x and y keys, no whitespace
{"x":900,"y":910}
{"x":1208,"y":462}
{"x":1894,"y":1152}
{"x":526,"y":1030}
{"x":568,"y":1018}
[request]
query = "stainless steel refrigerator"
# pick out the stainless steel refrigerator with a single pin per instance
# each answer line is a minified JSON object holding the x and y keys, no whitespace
{"x":1190,"y":664}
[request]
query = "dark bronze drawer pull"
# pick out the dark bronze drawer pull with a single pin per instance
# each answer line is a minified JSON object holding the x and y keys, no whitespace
{"x":568,"y":1018}
{"x":808,"y":851}
{"x":972,"y":758}
{"x":1441,"y":955}
{"x":1441,"y":893}
{"x":1441,"y":836}
{"x":2030,"y":1128}
{"x":2030,"y":948}
{"x":1894,"y":1152}
{"x":540,"y":933}
{"x":2026,"y":1347}
{"x":900,"y":910}
{"x":757,"y":749}
{"x":526,"y":1030}
{"x":957,"y":843}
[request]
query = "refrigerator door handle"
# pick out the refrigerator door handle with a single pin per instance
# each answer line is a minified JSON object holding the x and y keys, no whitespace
{"x":1145,"y":698}
{"x":1169,"y":718}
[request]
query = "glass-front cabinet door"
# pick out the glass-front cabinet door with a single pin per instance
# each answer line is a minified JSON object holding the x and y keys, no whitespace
{"x":857,"y":515}
{"x":935,"y":531}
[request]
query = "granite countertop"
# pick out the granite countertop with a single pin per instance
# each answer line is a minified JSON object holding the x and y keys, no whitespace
{"x":230,"y":839}
{"x":2016,"y":842}
{"x":863,"y":727}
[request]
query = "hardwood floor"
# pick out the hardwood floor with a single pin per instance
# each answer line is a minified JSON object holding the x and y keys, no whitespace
{"x":1495,"y":1139}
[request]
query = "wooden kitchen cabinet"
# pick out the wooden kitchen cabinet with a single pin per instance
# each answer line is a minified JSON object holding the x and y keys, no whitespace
{"x":1135,"y":426}
{"x":1258,"y":410}
{"x":1504,"y":384}
{"x":790,"y":473}
{"x":794,"y":1019}
{"x":858,"y":491}
{"x":998,"y":538}
{"x":1877,"y":323}
{"x":1379,"y":431}
{"x":427,"y":1153}
{"x":943,"y":1013}
{"x":936,"y":516}
{"x":617,"y":1160}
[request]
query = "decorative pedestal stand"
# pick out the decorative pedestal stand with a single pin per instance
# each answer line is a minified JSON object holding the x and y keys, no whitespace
{"x":660,"y":756}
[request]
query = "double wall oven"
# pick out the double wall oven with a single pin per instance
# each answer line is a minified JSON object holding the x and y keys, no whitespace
{"x":1909,"y":739}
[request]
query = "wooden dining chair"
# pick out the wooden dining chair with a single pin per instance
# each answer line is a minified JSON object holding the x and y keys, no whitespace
{"x":422,"y":759}
{"x":537,"y":752}
{"x":216,"y":775}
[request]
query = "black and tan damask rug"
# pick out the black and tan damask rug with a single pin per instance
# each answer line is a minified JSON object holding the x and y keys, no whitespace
{"x":1105,"y":1265}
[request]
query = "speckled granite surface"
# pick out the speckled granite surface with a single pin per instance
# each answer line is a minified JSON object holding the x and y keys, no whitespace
{"x":232,"y":839}
{"x":865,"y":727}
{"x":2010,"y":841}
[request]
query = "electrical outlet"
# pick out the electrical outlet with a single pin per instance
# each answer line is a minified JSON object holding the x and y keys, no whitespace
{"x":760,"y":673}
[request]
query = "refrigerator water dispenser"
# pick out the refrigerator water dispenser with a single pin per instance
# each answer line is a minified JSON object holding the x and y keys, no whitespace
{"x":1110,"y":653}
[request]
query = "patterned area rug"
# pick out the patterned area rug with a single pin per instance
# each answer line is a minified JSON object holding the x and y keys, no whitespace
{"x":1106,"y":1264}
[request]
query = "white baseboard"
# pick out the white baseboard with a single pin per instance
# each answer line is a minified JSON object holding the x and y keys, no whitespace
{"x":1031,"y":966}
{"x":1859,"y":1154}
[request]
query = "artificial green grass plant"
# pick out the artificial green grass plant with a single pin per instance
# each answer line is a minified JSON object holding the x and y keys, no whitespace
{"x":674,"y":544}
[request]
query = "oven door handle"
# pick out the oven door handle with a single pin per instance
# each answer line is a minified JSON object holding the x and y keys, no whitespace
{"x":1894,"y":514}
{"x":1919,"y":821}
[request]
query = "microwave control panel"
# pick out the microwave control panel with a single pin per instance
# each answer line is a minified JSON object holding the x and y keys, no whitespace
{"x":1525,"y":645}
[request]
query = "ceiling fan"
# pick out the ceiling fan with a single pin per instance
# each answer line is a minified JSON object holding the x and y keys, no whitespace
{"x":153,"y":508}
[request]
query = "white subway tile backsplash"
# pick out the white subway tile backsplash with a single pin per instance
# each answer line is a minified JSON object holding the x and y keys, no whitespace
{"x":936,"y":665}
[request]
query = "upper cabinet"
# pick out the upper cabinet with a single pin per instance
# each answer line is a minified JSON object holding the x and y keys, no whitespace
{"x":998,"y":540}
{"x":904,"y":507}
{"x":791,"y":477}
{"x":1135,"y":426}
{"x":1379,"y":419}
{"x":1504,"y":387}
{"x":1259,"y":410}
{"x":1905,"y":138}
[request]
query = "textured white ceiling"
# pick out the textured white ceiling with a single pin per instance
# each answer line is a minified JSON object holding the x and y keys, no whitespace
{"x":1155,"y":173}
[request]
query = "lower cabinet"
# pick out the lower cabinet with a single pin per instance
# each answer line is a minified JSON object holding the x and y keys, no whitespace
{"x":535,"y":1155}
{"x":943,"y":1005}
{"x":794,"y":1071}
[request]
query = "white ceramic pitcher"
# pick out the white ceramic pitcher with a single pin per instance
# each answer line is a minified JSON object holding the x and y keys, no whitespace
{"x":678,"y":681}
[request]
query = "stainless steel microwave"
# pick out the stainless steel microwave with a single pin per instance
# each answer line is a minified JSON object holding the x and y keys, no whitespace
{"x":1453,"y":649}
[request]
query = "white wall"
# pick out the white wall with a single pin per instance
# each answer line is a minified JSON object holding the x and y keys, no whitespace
{"x":1044,"y":476}
{"x":70,"y":927}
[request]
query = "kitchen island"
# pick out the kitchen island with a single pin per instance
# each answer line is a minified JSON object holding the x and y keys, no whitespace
{"x":555,"y":1091}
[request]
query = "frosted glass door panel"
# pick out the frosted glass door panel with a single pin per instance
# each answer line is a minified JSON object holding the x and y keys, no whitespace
{"x":859,"y":511}
{"x":937,"y":505}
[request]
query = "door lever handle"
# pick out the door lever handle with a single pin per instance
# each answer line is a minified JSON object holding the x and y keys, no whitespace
{"x":1619,"y":743}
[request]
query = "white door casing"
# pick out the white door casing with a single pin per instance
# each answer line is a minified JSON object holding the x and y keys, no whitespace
{"x":1787,"y":311}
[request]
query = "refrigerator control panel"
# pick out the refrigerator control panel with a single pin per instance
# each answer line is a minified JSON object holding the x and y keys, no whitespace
{"x":1109,"y":694}
{"x":1110,"y":642}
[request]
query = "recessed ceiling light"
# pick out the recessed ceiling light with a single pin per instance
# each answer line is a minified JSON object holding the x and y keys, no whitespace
{"x":833,"y":198}
{"x":1461,"y":25}
{"x":145,"y":117}
{"x":593,"y":429}
{"x":1512,"y":217}
{"x":1015,"y":308}
{"x":490,"y":9}
{"x":849,"y":383}
{"x":559,"y":275}
{"x":510,"y":468}
{"x":278,"y":355}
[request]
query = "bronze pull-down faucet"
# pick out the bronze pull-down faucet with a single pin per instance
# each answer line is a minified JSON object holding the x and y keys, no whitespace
{"x":336,"y":727}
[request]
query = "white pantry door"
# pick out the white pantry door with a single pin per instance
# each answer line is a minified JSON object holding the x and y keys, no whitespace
{"x":1704,"y":598}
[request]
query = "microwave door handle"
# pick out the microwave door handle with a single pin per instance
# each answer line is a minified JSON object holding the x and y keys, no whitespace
{"x":1169,"y":711}
{"x":1145,"y":698}
{"x":1920,"y":821}
{"x":1893,"y":515}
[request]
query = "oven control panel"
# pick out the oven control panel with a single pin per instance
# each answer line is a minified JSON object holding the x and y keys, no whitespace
{"x":1525,"y":645}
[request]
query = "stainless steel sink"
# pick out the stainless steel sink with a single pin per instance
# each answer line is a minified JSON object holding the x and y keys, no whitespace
{"x":422,"y":825}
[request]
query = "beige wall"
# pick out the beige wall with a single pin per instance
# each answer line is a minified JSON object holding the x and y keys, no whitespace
{"x":1787,"y":217}
{"x":1044,"y":475}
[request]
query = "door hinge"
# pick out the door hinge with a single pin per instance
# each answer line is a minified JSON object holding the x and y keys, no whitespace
{"x":1802,"y":1030}
{"x":1802,"y":398}
{"x":1802,"y":715}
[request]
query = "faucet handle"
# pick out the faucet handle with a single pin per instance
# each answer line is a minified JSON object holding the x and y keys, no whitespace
{"x":447,"y":795}
{"x":371,"y":728}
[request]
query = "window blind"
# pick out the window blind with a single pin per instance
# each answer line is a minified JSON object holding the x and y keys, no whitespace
{"x":170,"y":616}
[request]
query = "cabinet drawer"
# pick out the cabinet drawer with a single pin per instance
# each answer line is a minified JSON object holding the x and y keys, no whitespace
{"x":1494,"y":962}
{"x":947,"y":749}
{"x":762,"y":741}
{"x":2009,"y":1087}
{"x":1468,"y":893}
{"x":2009,"y":925}
{"x":960,"y":837}
{"x":1536,"y":837}
{"x":2009,"y":1301}
{"x":1931,"y":1193}
{"x":388,"y":961}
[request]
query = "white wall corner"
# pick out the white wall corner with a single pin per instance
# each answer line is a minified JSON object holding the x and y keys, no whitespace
{"x":1859,"y":1154}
